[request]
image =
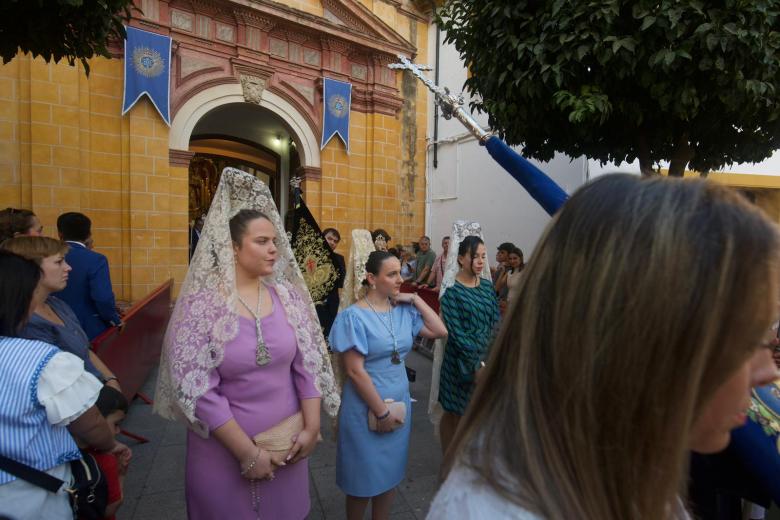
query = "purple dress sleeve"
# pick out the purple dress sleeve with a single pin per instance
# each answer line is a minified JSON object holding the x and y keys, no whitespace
{"x":303,"y":380}
{"x":213,"y":408}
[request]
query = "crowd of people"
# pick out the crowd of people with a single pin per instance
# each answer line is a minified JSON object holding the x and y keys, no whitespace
{"x":576,"y":386}
{"x":590,"y":376}
{"x":60,"y":404}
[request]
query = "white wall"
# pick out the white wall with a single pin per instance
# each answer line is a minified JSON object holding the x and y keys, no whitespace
{"x":468,"y":184}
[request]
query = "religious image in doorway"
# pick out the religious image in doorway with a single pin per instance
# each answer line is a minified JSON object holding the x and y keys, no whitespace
{"x":147,"y":70}
{"x":311,"y":251}
{"x":336,"y":101}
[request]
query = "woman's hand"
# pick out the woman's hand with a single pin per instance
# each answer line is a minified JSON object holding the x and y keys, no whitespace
{"x":260,"y":467}
{"x":303,"y":445}
{"x":389,"y":423}
{"x":403,"y":298}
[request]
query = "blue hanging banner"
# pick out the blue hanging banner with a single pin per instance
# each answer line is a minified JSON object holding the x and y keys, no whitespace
{"x":336,"y":100}
{"x":147,"y":70}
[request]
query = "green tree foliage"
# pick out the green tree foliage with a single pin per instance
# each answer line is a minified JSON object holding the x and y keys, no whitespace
{"x":56,"y":29}
{"x":691,"y":82}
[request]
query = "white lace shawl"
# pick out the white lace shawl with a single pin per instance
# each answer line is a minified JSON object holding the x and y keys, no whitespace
{"x":460,"y":230}
{"x":361,"y":247}
{"x":205,"y":318}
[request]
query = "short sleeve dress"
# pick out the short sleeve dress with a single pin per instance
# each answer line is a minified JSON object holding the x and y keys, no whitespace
{"x":257,"y":397}
{"x":370,"y":463}
{"x":470,"y":314}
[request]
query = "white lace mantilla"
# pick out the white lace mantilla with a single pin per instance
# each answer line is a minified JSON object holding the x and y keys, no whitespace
{"x":205,"y":316}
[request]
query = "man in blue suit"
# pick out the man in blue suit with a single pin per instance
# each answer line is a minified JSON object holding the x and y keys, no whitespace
{"x":89,"y":291}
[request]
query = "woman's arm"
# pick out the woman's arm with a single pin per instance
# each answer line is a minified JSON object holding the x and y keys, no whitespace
{"x":93,"y":429}
{"x":109,"y":376}
{"x":255,"y":463}
{"x":356,"y":372}
{"x":433,"y":327}
{"x":501,"y":282}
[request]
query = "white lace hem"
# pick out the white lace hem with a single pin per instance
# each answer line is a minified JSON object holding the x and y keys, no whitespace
{"x":66,"y":389}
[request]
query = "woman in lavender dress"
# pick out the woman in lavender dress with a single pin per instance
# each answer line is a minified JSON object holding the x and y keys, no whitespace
{"x":242,"y":354}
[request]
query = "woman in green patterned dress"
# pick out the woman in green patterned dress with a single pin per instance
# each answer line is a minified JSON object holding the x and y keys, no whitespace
{"x":470,"y":311}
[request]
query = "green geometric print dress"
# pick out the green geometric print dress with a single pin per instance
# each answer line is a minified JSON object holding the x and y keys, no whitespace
{"x":470,"y":314}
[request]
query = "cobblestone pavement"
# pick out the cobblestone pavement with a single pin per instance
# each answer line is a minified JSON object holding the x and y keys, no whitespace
{"x":154,"y":488}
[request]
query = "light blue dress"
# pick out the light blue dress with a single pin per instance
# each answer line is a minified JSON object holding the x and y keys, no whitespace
{"x":369,"y":463}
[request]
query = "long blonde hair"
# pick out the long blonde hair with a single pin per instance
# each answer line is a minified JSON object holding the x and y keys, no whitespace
{"x":642,"y":296}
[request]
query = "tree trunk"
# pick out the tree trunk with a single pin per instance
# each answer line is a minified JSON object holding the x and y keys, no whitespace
{"x":645,"y":163}
{"x":682,"y":155}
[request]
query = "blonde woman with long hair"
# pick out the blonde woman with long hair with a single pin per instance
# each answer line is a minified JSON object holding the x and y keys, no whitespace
{"x":635,"y":336}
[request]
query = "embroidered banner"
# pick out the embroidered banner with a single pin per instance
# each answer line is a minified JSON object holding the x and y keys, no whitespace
{"x":312,"y":252}
{"x":336,"y":100}
{"x":147,"y":70}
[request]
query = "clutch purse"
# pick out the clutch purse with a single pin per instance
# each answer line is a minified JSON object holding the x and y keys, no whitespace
{"x":279,"y":437}
{"x":397,"y":409}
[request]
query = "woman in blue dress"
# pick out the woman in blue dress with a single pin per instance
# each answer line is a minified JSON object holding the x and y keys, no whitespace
{"x":374,"y":336}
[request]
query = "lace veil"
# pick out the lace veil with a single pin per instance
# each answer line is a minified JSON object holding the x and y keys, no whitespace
{"x":361,"y":247}
{"x":205,"y":319}
{"x":460,"y":230}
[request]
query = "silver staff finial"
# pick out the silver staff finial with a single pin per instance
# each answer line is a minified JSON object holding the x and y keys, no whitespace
{"x":451,"y":105}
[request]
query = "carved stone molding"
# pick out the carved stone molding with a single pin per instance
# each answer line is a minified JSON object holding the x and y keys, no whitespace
{"x":208,"y":7}
{"x":180,"y":158}
{"x":336,"y":45}
{"x":182,"y":20}
{"x":308,"y":173}
{"x":253,"y":87}
{"x":189,"y":65}
{"x":255,"y":20}
{"x":383,"y":60}
{"x":346,"y":17}
{"x":297,"y":36}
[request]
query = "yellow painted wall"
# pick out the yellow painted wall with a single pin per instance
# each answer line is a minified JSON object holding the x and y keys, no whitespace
{"x":65,"y":147}
{"x":371,"y":187}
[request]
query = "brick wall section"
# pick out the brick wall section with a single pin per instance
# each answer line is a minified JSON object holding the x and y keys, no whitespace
{"x":380,"y":183}
{"x":66,"y":148}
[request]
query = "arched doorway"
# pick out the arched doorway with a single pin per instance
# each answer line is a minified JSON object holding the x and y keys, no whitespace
{"x":243,"y":136}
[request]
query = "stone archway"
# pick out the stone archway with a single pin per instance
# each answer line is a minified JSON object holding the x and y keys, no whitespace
{"x":203,"y":102}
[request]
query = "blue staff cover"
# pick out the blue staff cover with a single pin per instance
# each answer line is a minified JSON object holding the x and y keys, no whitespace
{"x":758,"y":442}
{"x":147,"y":70}
{"x":336,"y":101}
{"x":542,"y":188}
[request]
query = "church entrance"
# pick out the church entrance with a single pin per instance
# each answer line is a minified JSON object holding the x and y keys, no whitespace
{"x":243,"y":136}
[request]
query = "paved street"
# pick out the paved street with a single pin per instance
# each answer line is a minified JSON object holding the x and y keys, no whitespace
{"x":154,"y":488}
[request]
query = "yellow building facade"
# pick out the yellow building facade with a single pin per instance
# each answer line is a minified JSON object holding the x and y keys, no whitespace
{"x":236,"y":69}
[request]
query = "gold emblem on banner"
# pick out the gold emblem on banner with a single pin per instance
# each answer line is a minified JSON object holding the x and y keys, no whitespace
{"x":148,"y":62}
{"x":337,"y":105}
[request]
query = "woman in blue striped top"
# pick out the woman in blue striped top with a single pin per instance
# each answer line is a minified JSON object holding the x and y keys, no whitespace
{"x":45,"y":397}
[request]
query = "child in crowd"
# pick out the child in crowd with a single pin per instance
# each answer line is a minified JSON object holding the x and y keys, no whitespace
{"x":113,"y":406}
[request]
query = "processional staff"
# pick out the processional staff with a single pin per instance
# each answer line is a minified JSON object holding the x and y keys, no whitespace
{"x":540,"y":186}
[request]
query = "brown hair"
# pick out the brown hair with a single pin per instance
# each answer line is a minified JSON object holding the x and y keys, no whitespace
{"x":14,"y":222}
{"x":641,"y":297}
{"x":35,"y":248}
{"x":240,"y":221}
